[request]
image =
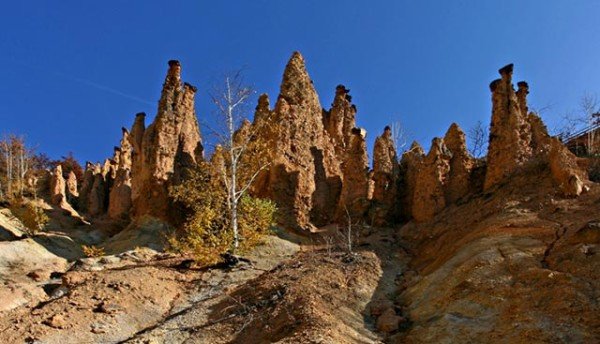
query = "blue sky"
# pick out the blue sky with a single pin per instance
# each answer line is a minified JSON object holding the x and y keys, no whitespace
{"x":74,"y":72}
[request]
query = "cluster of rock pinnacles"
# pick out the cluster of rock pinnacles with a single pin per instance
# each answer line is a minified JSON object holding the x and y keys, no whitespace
{"x":320,"y":170}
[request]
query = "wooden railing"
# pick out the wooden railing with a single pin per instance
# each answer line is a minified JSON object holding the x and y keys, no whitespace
{"x":580,"y":133}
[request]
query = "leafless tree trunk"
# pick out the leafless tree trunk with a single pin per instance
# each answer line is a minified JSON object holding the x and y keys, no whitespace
{"x":230,"y":99}
{"x":477,"y":137}
{"x":349,"y":230}
{"x":400,"y":137}
{"x":16,"y":161}
{"x":590,"y":109}
{"x":587,"y":118}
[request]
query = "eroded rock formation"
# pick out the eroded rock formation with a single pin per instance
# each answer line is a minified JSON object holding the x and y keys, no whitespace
{"x":385,"y":176}
{"x":354,"y":200}
{"x":429,"y":195}
{"x":169,"y":146}
{"x":339,"y":121}
{"x":509,"y":143}
{"x":58,"y":193}
{"x":410,"y":164}
{"x":518,"y":137}
{"x":97,"y":197}
{"x":317,"y":165}
{"x":304,"y":178}
{"x":459,"y":182}
{"x":71,"y":188}
{"x":119,"y":202}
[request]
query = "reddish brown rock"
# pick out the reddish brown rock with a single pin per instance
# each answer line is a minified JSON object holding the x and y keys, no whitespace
{"x":58,"y":193}
{"x":340,"y":120}
{"x":86,"y":187}
{"x":169,"y":146}
{"x":56,"y":321}
{"x":355,"y":185}
{"x":522,"y":92}
{"x":137,"y":134}
{"x":71,"y":188}
{"x":304,"y":178}
{"x":429,"y":196}
{"x":567,"y":175}
{"x":351,"y":151}
{"x":509,"y":144}
{"x":218,"y":166}
{"x":385,"y":176}
{"x":539,"y":134}
{"x":97,"y":198}
{"x":119,"y":202}
{"x":389,"y":321}
{"x":410,"y":164}
{"x":459,"y":182}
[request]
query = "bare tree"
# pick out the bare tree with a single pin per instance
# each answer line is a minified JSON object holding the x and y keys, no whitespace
{"x":478,"y":139}
{"x":584,"y":121}
{"x":243,"y":162}
{"x":16,"y":160}
{"x":400,"y":137}
{"x":590,"y":108}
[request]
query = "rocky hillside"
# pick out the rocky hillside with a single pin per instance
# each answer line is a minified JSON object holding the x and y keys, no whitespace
{"x":450,"y":248}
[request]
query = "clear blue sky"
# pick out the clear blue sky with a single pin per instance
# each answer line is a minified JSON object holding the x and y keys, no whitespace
{"x":74,"y":72}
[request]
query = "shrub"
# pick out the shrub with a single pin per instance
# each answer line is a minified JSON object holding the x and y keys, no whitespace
{"x":206,"y":233}
{"x":92,"y":251}
{"x":256,"y":218}
{"x":32,"y":216}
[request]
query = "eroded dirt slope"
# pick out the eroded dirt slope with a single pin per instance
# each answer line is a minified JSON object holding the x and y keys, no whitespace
{"x":515,"y":265}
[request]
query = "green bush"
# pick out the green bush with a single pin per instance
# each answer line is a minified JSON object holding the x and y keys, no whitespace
{"x":256,"y":218}
{"x":206,"y":233}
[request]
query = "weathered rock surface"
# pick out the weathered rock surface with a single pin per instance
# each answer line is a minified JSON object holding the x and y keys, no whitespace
{"x":97,"y":197}
{"x":71,"y":188}
{"x":510,"y":137}
{"x":10,"y":227}
{"x":58,"y":193}
{"x":429,"y":195}
{"x":410,"y":164}
{"x":354,"y":200}
{"x":119,"y":202}
{"x":19,"y":261}
{"x":351,"y":151}
{"x":518,"y":140}
{"x":339,"y":121}
{"x":515,"y":265}
{"x":304,"y":178}
{"x":567,"y":175}
{"x":459,"y":182}
{"x":385,"y":176}
{"x":169,"y":145}
{"x":86,"y":187}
